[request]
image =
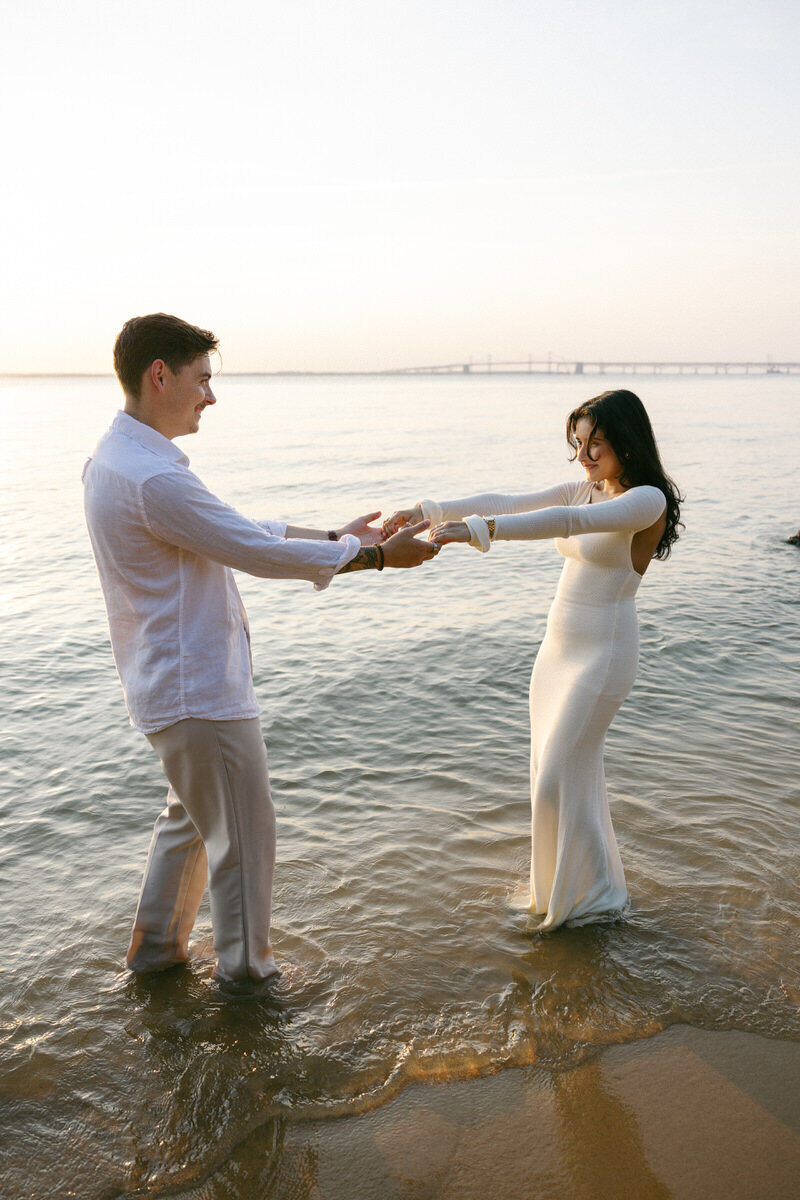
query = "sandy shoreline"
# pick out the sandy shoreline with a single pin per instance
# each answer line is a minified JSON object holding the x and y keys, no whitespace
{"x":687,"y":1114}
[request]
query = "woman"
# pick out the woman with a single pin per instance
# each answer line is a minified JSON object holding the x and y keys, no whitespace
{"x":608,"y":528}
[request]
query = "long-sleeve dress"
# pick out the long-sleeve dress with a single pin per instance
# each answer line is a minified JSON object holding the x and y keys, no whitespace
{"x":585,"y":668}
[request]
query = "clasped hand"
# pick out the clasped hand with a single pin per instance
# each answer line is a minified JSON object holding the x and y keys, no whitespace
{"x":449,"y":531}
{"x":410,"y":522}
{"x":441,"y":535}
{"x":400,"y":546}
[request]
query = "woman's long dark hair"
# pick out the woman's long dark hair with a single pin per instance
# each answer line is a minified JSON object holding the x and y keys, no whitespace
{"x":622,"y":418}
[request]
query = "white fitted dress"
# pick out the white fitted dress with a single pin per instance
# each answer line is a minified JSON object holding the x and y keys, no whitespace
{"x":584,"y":670}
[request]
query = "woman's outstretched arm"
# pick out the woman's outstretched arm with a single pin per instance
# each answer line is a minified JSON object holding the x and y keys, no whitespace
{"x":636,"y":509}
{"x":437,"y":511}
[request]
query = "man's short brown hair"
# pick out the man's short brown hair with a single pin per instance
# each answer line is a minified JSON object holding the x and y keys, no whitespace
{"x":144,"y":339}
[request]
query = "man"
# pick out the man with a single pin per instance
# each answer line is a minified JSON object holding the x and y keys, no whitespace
{"x":164,"y":548}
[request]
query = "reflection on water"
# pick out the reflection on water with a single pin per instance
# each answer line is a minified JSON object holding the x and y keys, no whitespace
{"x":395,"y":712}
{"x":614,"y":1165}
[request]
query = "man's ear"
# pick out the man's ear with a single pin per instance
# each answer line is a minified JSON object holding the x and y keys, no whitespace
{"x":157,"y":374}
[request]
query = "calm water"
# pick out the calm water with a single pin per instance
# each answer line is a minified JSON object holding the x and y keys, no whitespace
{"x":395,"y":712}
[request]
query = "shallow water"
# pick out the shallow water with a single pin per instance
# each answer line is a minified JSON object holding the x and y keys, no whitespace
{"x":395,"y":714}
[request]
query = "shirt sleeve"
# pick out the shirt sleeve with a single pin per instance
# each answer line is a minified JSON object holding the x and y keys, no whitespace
{"x":497,"y":503}
{"x":636,"y":509}
{"x":180,"y":510}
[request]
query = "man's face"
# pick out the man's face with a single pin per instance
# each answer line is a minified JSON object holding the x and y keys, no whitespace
{"x":185,"y":393}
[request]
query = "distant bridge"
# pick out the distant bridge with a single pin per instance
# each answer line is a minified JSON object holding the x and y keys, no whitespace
{"x":595,"y":367}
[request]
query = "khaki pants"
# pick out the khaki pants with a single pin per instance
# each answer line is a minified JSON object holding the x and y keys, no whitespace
{"x":219,"y":823}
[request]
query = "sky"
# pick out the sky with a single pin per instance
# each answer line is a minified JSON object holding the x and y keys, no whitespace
{"x":367,"y":185}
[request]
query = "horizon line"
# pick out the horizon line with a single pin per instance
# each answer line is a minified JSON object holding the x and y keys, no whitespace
{"x":571,"y":367}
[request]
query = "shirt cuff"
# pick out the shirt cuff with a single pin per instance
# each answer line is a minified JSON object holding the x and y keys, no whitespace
{"x":278,"y":528}
{"x":349,"y":546}
{"x":431,"y":511}
{"x":478,"y":533}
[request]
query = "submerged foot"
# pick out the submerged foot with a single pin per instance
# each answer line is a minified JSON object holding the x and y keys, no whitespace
{"x":250,"y":985}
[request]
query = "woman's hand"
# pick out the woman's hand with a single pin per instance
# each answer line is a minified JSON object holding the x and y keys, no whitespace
{"x":402,"y":518}
{"x":449,"y":531}
{"x":366,"y":533}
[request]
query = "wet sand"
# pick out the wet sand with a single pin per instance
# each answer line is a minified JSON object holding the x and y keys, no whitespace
{"x":686,"y":1114}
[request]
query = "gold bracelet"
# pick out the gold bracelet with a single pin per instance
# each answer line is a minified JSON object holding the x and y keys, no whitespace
{"x":490,"y":526}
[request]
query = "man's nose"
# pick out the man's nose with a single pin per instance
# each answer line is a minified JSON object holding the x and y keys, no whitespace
{"x":210,"y":397}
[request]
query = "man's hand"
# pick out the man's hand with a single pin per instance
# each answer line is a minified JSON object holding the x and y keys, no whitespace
{"x":402,"y":518}
{"x":403,"y":550}
{"x":449,"y":531}
{"x":364,"y":531}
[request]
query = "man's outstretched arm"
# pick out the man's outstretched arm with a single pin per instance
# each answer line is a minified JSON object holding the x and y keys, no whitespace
{"x":181,"y":511}
{"x":361,"y":528}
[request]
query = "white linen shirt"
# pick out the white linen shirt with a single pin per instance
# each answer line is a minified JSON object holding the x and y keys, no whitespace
{"x":164,"y":547}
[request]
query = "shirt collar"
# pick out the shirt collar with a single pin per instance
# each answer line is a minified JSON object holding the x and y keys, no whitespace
{"x":149,"y":437}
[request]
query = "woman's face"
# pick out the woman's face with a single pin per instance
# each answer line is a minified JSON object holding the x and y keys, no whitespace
{"x":595,"y":454}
